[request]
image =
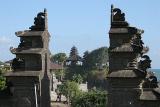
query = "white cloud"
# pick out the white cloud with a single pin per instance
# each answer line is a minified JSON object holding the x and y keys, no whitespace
{"x":4,"y":40}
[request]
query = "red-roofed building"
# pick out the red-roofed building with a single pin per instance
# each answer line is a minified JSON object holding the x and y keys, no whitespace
{"x":55,"y":66}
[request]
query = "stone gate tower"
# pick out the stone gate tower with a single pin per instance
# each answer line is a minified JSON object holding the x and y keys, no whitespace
{"x":130,"y":83}
{"x":30,"y":79}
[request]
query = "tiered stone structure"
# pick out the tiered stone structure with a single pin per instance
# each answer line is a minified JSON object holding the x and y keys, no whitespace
{"x":30,"y":79}
{"x":130,"y":82}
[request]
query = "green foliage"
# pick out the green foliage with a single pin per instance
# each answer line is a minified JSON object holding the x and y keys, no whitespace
{"x":69,"y":89}
{"x":97,"y":79}
{"x":92,"y":61}
{"x":95,"y":66}
{"x":77,"y":78}
{"x":95,"y":59}
{"x":73,"y":52}
{"x":59,"y":58}
{"x":59,"y":74}
{"x":98,"y":75}
{"x":90,"y":99}
{"x":74,"y":70}
{"x":1,"y":63}
{"x":74,"y":58}
{"x":2,"y":81}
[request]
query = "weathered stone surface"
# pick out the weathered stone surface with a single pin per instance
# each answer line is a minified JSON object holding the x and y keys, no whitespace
{"x":23,"y":102}
{"x":129,"y":82}
{"x":30,"y":78}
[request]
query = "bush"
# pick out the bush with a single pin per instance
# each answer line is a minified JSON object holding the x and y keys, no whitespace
{"x":90,"y":99}
{"x":2,"y":81}
{"x":69,"y":89}
{"x":77,"y":78}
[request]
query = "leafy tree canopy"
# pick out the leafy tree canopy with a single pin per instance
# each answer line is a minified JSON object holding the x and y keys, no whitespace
{"x":98,"y":58}
{"x":77,"y":78}
{"x":72,"y":71}
{"x":69,"y":89}
{"x":92,"y":98}
{"x":74,"y":59}
{"x":59,"y":58}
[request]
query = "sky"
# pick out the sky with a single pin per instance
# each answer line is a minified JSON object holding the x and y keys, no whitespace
{"x":81,"y":23}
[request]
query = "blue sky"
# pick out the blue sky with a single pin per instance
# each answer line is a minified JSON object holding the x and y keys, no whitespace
{"x":83,"y":23}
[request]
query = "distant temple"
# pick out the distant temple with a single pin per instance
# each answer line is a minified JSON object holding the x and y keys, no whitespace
{"x":131,"y":84}
{"x":30,"y":78}
{"x":74,"y":58}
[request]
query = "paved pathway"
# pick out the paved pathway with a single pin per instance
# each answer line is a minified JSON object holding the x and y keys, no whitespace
{"x":56,"y":104}
{"x":54,"y":97}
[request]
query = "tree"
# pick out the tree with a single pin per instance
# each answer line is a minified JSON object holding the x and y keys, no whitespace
{"x":1,"y":63}
{"x":74,"y":59}
{"x":97,"y":79}
{"x":59,"y":58}
{"x":2,"y":81}
{"x":74,"y":63}
{"x":85,"y":59}
{"x":74,"y":51}
{"x":69,"y":89}
{"x":70,"y":71}
{"x":77,"y":78}
{"x":96,"y":59}
{"x":92,"y":98}
{"x":60,"y":74}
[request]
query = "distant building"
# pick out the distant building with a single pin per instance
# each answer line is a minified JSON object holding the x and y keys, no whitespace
{"x":74,"y":58}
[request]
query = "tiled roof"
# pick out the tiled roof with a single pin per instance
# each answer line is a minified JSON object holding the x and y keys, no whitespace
{"x":55,"y":66}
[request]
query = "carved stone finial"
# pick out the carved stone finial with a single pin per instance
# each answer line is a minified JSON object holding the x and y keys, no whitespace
{"x":117,"y":17}
{"x":12,"y":50}
{"x":116,"y":14}
{"x":45,"y":10}
{"x":112,"y":13}
{"x":46,"y":19}
{"x":40,"y":22}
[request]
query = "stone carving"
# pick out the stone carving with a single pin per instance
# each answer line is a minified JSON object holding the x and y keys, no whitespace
{"x":25,"y":43}
{"x":132,"y":63}
{"x":126,"y":72}
{"x":13,"y":50}
{"x":39,"y":22}
{"x":137,"y":43}
{"x":30,"y":74}
{"x":118,"y":15}
{"x":145,"y":63}
{"x":150,"y":81}
{"x":18,"y":63}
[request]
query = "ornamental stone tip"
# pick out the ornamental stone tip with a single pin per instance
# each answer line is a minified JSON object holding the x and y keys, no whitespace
{"x":45,"y":10}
